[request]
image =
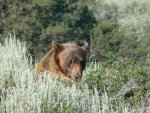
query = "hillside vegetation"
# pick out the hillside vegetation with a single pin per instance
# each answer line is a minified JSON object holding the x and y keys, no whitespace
{"x":18,"y":93}
{"x":109,"y":26}
{"x":117,"y":75}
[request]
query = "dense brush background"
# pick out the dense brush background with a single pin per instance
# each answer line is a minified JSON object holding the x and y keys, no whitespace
{"x":117,"y":76}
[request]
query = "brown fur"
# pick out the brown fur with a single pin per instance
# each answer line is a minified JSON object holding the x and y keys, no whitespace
{"x":64,"y":60}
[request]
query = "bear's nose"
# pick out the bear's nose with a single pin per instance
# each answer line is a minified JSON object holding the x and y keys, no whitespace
{"x":78,"y":77}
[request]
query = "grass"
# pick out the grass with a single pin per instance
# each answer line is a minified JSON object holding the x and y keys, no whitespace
{"x":19,"y":94}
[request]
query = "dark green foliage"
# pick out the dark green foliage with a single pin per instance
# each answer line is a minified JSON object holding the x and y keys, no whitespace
{"x":123,"y":79}
{"x":40,"y":22}
{"x":107,"y":37}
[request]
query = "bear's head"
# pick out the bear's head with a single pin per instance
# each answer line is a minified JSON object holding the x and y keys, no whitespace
{"x":71,"y":59}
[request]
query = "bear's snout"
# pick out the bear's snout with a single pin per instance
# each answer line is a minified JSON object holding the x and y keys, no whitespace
{"x":78,"y":77}
{"x":75,"y":71}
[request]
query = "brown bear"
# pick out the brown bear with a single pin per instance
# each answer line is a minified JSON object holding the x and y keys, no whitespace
{"x":66,"y":60}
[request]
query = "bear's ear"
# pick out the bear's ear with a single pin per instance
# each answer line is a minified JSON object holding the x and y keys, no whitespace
{"x":86,"y":46}
{"x":55,"y":45}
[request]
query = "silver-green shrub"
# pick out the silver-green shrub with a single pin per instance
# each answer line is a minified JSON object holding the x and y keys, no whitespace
{"x":19,"y":94}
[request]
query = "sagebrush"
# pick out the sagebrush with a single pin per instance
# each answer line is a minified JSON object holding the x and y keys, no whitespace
{"x":18,"y":93}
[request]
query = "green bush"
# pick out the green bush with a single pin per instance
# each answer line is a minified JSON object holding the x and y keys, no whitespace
{"x":107,"y":37}
{"x":123,"y":79}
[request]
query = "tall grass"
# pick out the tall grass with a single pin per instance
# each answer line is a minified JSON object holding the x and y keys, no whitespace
{"x":19,"y":94}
